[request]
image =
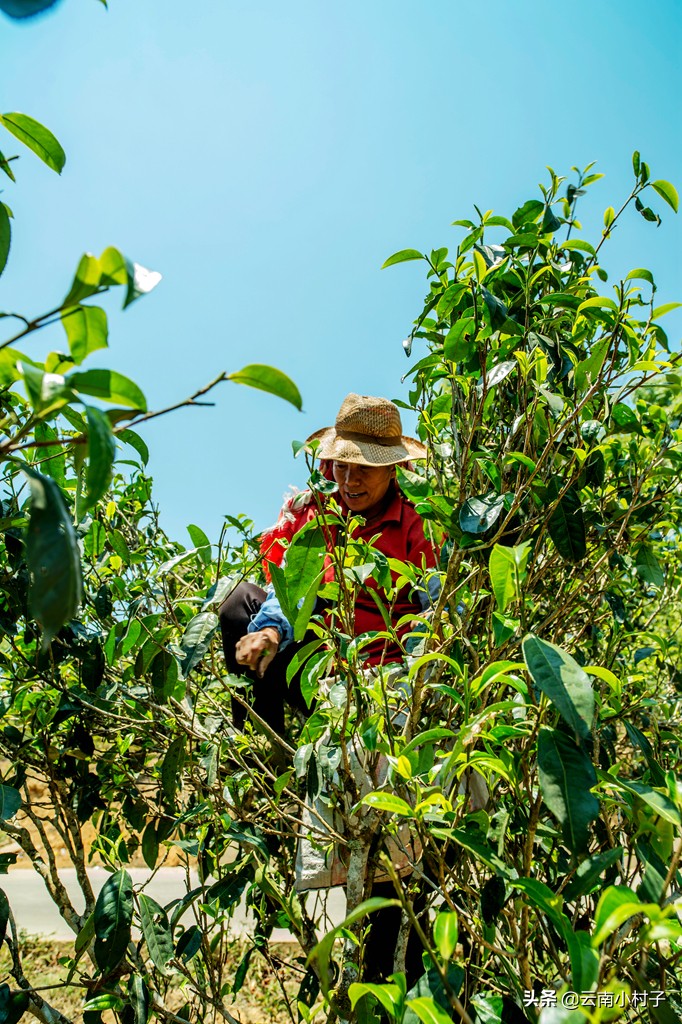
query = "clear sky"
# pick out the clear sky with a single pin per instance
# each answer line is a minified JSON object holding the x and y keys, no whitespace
{"x":267,"y":157}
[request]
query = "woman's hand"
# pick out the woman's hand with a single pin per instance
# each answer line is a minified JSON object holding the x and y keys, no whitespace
{"x":256,"y":650}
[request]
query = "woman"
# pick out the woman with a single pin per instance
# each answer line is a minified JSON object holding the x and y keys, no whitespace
{"x":363,"y":449}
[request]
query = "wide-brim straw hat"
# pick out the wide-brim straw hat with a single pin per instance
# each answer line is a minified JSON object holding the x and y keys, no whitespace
{"x":369,"y":432}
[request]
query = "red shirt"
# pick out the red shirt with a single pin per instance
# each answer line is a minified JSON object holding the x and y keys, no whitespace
{"x":401,"y":536}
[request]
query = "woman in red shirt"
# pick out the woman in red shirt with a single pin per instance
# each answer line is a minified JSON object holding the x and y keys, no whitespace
{"x":363,"y":449}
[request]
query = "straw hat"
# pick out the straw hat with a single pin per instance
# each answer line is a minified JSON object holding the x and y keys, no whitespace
{"x":368,"y":432}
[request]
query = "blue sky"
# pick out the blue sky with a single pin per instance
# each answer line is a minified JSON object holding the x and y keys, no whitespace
{"x":266,"y":158}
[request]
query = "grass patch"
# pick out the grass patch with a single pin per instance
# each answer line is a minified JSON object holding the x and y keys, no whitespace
{"x":260,"y":1000}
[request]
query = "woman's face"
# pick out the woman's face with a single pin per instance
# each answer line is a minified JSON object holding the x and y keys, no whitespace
{"x":363,"y":488}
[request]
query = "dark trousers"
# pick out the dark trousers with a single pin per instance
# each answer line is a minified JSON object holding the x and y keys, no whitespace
{"x":272,"y":691}
{"x":269,"y":697}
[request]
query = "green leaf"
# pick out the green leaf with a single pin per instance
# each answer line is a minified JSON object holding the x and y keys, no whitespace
{"x":667,"y":307}
{"x":13,"y":1005}
{"x":139,"y":999}
{"x":507,"y":568}
{"x":110,"y":386}
{"x":475,"y":843}
{"x":445,"y":933}
{"x":150,"y":846}
{"x":37,"y":137}
{"x":478,"y":515}
{"x":489,"y":1009}
{"x":197,"y":639}
{"x":459,"y":341}
{"x":171,"y":767}
{"x":5,"y":236}
{"x":10,"y":802}
{"x":116,"y":269}
{"x":52,"y":557}
{"x":86,"y":330}
{"x":6,"y":166}
{"x":636,"y":163}
{"x":640,"y":274}
{"x":306,"y":608}
{"x":589,"y":874}
{"x":270,"y":379}
{"x":201,"y":543}
{"x":157,"y":933}
{"x":648,"y":567}
{"x":242,"y":970}
{"x":659,"y":802}
{"x":598,"y":302}
{"x":101,"y":454}
{"x":566,"y":524}
{"x":566,"y":776}
{"x":4,"y":915}
{"x":646,"y":212}
{"x":668,"y":192}
{"x":498,"y":373}
{"x":189,"y":943}
{"x":402,"y":257}
{"x":528,"y":213}
{"x":617,"y":904}
{"x":562,"y":679}
{"x":389,"y":995}
{"x":388,"y":802}
{"x":135,"y":441}
{"x":113,"y":917}
{"x":47,"y":392}
{"x":24,"y":8}
{"x":304,"y":560}
{"x":428,"y":1011}
{"x":86,"y":280}
{"x":430,"y":986}
{"x":321,"y":953}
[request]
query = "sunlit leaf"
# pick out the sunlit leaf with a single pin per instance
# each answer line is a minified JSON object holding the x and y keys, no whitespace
{"x":108,"y":385}
{"x":37,"y":137}
{"x":86,"y":280}
{"x":402,"y":257}
{"x":270,"y":379}
{"x":388,"y":802}
{"x":445,"y":933}
{"x":86,"y":330}
{"x":668,"y":192}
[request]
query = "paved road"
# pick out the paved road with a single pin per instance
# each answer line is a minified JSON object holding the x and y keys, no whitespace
{"x":36,"y":914}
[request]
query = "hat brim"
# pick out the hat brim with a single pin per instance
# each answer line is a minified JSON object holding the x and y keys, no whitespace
{"x":365,"y":453}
